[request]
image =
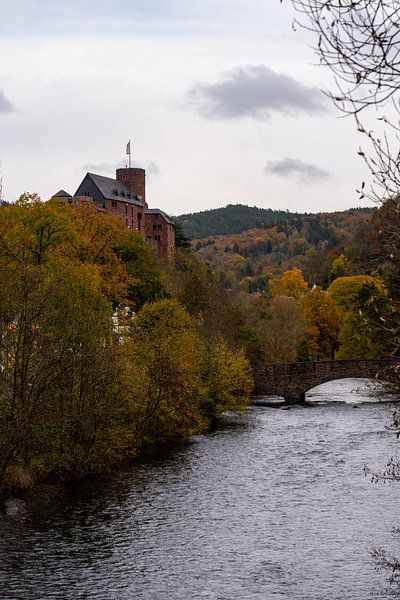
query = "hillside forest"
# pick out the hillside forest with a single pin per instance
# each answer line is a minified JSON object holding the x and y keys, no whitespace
{"x":312,"y":286}
{"x":107,"y":352}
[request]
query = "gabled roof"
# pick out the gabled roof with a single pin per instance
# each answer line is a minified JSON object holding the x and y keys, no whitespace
{"x":109,"y":186}
{"x":62,"y":194}
{"x":157,"y":211}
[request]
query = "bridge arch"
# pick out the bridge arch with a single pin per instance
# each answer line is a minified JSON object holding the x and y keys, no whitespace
{"x":293,"y":380}
{"x":353,"y":383}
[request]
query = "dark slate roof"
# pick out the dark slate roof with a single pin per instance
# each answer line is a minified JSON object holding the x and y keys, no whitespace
{"x":107,"y":185}
{"x":62,"y":194}
{"x":157,"y":211}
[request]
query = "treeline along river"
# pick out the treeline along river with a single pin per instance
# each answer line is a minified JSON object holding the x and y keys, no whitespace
{"x":274,"y":505}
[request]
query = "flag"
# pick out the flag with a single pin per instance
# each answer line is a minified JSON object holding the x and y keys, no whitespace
{"x":128,"y":147}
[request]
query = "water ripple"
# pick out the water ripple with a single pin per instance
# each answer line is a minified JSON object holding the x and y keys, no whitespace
{"x":274,"y":507}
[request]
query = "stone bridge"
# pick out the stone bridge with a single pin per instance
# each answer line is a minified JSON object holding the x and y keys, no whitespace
{"x":292,"y":381}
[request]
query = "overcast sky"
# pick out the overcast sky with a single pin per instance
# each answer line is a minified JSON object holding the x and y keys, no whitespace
{"x":220,"y":98}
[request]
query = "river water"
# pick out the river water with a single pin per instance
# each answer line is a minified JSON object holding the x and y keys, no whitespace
{"x":273,"y":506}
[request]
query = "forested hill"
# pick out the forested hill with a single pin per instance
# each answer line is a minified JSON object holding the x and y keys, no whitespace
{"x":310,"y":242}
{"x":236,"y":218}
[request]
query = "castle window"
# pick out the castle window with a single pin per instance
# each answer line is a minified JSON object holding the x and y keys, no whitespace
{"x":157,"y":237}
{"x":114,"y":204}
{"x":159,"y":226}
{"x":154,"y":226}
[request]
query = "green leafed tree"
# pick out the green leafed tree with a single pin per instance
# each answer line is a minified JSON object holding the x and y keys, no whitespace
{"x":165,"y":341}
{"x":357,"y":337}
{"x":227,"y":379}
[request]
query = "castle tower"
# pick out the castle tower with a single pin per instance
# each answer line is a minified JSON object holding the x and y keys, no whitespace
{"x":135,"y":179}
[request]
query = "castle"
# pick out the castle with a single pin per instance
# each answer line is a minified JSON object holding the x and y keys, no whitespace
{"x":125,"y":197}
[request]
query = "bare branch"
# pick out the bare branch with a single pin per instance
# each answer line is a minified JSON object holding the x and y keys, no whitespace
{"x":359,"y":40}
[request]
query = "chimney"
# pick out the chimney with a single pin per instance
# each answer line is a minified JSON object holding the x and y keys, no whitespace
{"x":135,"y":179}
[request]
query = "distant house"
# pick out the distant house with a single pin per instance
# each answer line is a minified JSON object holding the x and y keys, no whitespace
{"x":125,"y":197}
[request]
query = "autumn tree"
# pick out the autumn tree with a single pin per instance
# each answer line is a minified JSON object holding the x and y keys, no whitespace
{"x":92,"y":238}
{"x":254,"y":309}
{"x":339,"y":266}
{"x":227,"y":379}
{"x":323,"y":324}
{"x":285,"y":330}
{"x":55,"y":377}
{"x":146,"y":280}
{"x":60,"y":279}
{"x":200,"y":290}
{"x":175,"y":385}
{"x":79,"y":391}
{"x":27,"y":234}
{"x":81,"y":396}
{"x":291,"y":283}
{"x":165,"y":342}
{"x":357,"y":338}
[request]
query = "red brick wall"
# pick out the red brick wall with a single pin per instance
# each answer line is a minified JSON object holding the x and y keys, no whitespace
{"x":135,"y":179}
{"x":160,"y":234}
{"x":128,"y":213}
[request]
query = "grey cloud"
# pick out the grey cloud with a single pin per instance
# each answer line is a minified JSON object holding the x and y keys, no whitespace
{"x":5,"y":104}
{"x":151,"y":167}
{"x":101,"y":167}
{"x":254,"y":91}
{"x":294,"y":167}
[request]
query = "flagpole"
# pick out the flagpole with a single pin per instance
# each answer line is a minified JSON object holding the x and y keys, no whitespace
{"x":130,"y":165}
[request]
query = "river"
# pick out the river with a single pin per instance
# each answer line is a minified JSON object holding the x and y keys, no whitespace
{"x":273,"y":506}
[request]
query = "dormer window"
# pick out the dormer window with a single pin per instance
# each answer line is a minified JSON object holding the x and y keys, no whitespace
{"x":128,"y":195}
{"x":115,"y":191}
{"x":123,"y":194}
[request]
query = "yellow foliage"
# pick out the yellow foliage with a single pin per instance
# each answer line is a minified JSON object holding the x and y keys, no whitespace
{"x":323,"y":316}
{"x":165,"y":344}
{"x":344,"y":290}
{"x":355,"y":338}
{"x":228,"y":380}
{"x":291,"y":283}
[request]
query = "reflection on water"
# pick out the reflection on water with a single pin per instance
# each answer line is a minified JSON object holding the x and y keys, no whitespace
{"x":349,"y":391}
{"x":273,"y":506}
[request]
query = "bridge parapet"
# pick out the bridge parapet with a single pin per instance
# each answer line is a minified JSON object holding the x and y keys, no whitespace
{"x":293,"y":380}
